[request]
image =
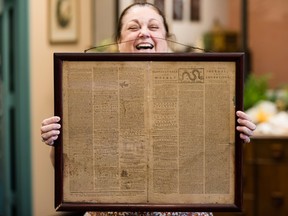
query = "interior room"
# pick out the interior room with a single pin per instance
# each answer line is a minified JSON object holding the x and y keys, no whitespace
{"x":32,"y":31}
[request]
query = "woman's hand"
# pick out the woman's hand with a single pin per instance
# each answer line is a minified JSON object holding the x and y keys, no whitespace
{"x":246,"y":127}
{"x":50,"y":130}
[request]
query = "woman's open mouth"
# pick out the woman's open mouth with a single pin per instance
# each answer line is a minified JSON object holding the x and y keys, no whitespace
{"x":144,"y":46}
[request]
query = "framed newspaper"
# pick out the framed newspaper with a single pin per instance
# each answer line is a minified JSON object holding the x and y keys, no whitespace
{"x":148,"y":132}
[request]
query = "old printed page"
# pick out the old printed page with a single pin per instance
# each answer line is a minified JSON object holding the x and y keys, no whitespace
{"x":149,"y":132}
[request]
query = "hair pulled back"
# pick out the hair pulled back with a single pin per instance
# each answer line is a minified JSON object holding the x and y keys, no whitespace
{"x":143,"y":4}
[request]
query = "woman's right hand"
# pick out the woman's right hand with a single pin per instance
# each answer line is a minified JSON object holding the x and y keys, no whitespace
{"x":50,"y":130}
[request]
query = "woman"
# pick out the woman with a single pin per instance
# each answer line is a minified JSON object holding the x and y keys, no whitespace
{"x":142,"y":28}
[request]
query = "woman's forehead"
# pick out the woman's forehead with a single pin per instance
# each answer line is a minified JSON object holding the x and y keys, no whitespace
{"x":145,"y":13}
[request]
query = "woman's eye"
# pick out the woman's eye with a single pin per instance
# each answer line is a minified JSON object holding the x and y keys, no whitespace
{"x":133,"y":28}
{"x":154,"y":28}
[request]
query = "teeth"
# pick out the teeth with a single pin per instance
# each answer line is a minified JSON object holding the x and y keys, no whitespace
{"x":144,"y":46}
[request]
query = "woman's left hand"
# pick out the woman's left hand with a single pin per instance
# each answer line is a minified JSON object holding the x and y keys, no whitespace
{"x":246,"y":127}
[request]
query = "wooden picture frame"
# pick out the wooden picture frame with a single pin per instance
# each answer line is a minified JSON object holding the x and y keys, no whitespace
{"x":63,"y":21}
{"x":195,"y":10}
{"x":178,"y":10}
{"x":148,"y":132}
{"x":161,"y":5}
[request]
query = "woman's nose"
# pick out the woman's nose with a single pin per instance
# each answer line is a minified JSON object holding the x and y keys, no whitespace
{"x":144,"y":32}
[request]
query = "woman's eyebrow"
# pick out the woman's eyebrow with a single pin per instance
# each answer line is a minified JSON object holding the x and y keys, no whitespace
{"x":138,"y":21}
{"x":153,"y":19}
{"x":134,"y":20}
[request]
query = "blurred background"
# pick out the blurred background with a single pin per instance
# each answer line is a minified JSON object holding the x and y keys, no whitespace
{"x":32,"y":30}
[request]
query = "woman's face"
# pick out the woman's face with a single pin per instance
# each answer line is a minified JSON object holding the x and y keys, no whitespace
{"x":142,"y":31}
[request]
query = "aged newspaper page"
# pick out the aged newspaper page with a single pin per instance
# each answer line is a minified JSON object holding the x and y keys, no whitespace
{"x":149,"y":132}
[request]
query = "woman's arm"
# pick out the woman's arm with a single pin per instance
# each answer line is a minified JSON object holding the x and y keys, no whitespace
{"x":52,"y":155}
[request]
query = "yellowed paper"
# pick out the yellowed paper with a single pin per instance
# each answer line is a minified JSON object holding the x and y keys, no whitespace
{"x":149,"y":132}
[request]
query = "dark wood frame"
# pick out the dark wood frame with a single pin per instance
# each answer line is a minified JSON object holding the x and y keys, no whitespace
{"x":61,"y":205}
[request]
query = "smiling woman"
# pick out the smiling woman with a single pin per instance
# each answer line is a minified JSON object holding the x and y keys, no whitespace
{"x":142,"y":28}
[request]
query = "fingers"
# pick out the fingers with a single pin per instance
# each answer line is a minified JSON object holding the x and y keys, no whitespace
{"x":250,"y":125}
{"x":246,"y":127}
{"x":50,"y":127}
{"x":48,"y":135}
{"x":51,"y":140}
{"x":243,"y":115}
{"x":50,"y":130}
{"x":245,"y":138}
{"x":50,"y":120}
{"x":245,"y":130}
